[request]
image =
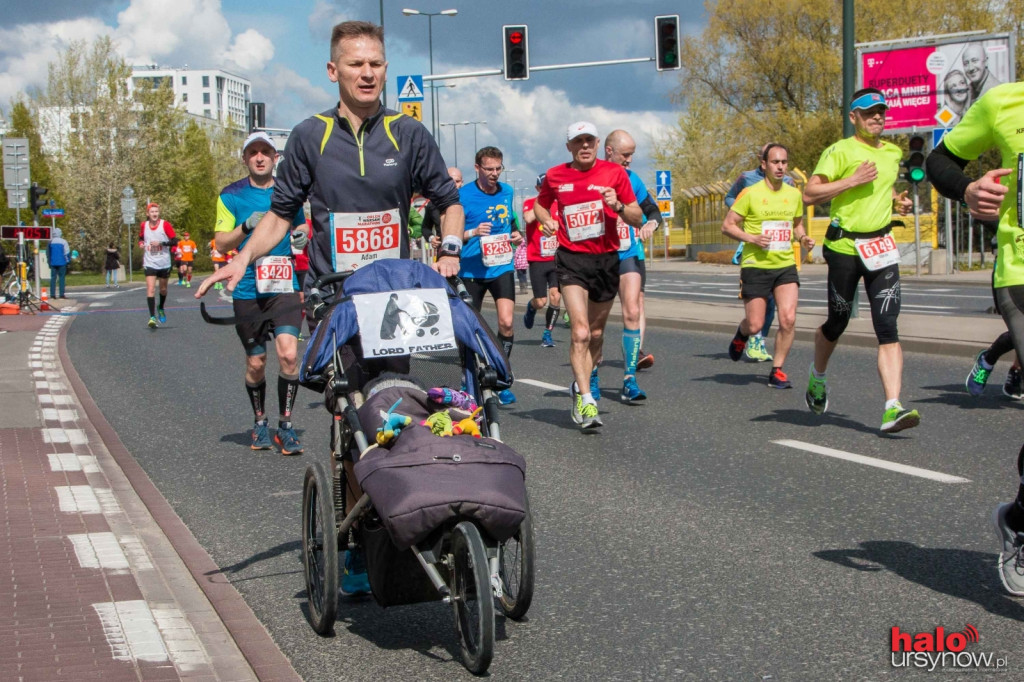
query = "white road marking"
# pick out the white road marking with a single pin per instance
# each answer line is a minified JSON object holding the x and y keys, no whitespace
{"x":131,"y":631}
{"x":51,"y":414}
{"x":543,"y":384}
{"x":78,"y":498}
{"x":73,"y":436}
{"x":69,"y":461}
{"x":100,"y":305}
{"x":101,"y":551}
{"x":180,"y":639}
{"x":872,"y":462}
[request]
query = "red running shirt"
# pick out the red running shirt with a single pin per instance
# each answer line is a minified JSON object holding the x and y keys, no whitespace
{"x":586,"y":223}
{"x":535,"y":251}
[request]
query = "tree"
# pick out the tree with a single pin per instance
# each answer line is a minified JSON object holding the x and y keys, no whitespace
{"x":773,"y":72}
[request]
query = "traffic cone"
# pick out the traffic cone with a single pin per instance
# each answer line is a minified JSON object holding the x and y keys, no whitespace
{"x":45,"y":300}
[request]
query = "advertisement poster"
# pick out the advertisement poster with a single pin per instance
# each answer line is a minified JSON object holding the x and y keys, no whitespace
{"x":932,"y":85}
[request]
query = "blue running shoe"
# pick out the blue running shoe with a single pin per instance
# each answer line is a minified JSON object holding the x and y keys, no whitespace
{"x":161,"y":316}
{"x":261,"y":437}
{"x":595,"y":385}
{"x":506,"y":397}
{"x":529,"y":316}
{"x":546,"y":341}
{"x":353,"y":579}
{"x":631,"y":393}
{"x":288,"y":441}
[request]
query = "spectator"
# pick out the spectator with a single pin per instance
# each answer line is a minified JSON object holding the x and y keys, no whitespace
{"x":112,"y":265}
{"x":58,"y":255}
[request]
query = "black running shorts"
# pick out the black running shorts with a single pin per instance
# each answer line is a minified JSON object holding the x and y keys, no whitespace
{"x":598,"y":273}
{"x":258,"y":320}
{"x":761,"y":282}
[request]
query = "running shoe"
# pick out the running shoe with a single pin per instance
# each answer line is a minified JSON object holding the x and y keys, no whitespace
{"x":778,"y":379}
{"x":817,"y":394}
{"x":646,"y":360}
{"x":898,"y":418}
{"x":589,"y":417}
{"x":152,"y":323}
{"x":188,"y":285}
{"x":565,"y":318}
{"x":506,"y":397}
{"x":631,"y":393}
{"x":218,"y":285}
{"x":354,"y":580}
{"x":595,"y":385}
{"x":261,"y":437}
{"x":1013,"y":388}
{"x":1010,"y":562}
{"x":736,"y":347}
{"x":288,"y":442}
{"x":756,"y":349}
{"x":546,"y":341}
{"x":161,"y":316}
{"x":978,"y":377}
{"x":577,"y":403}
{"x":529,"y":316}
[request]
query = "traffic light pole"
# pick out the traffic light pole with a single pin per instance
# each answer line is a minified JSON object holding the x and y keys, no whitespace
{"x":917,"y":228}
{"x":35,"y":243}
{"x":550,"y":67}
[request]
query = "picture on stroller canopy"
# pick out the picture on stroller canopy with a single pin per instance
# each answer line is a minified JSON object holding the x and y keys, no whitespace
{"x":419,"y":486}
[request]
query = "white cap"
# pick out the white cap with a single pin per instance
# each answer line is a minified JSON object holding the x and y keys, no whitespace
{"x":262,"y":137}
{"x":581,"y":128}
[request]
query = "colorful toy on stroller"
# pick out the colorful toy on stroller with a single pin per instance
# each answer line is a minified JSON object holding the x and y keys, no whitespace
{"x":409,"y":372}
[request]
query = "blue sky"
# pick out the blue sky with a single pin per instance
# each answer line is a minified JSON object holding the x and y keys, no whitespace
{"x":282,"y":48}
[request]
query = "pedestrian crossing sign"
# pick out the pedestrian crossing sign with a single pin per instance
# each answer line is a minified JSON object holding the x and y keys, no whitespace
{"x":664,"y":193}
{"x":413,"y":110}
{"x":410,"y":88}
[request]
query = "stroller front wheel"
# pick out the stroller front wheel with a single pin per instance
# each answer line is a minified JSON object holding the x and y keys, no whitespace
{"x":320,"y":549}
{"x":472,"y":597}
{"x":516,"y":570}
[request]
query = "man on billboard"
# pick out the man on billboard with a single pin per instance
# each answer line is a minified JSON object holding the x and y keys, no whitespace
{"x":975,"y":61}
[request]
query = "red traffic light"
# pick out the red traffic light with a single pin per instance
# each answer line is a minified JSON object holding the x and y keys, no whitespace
{"x":515,"y":37}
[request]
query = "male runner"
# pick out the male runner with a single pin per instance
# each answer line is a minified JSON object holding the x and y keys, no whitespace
{"x":619,"y":149}
{"x":431,"y":228}
{"x":540,"y":255}
{"x":265,"y":299}
{"x":755,"y":346}
{"x":764,"y":218}
{"x":357,"y":164}
{"x":176,"y":263}
{"x":995,"y":120}
{"x":591,"y":195}
{"x":491,"y":236}
{"x":857,"y":175}
{"x":156,"y":238}
{"x":187,"y":247}
{"x":218,"y":259}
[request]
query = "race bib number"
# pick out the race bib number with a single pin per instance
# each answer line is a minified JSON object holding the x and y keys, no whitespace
{"x":361,"y":238}
{"x":624,"y":241}
{"x":548,"y":245}
{"x":186,"y":249}
{"x":779,"y":233}
{"x":274,"y":275}
{"x":584,"y":221}
{"x":496,"y":249}
{"x":404,"y":322}
{"x":877,"y":253}
{"x":155,"y":247}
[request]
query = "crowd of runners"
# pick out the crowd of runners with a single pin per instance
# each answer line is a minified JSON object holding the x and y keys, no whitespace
{"x":584,"y":235}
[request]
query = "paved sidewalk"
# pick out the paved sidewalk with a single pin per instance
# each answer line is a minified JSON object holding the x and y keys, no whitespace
{"x":104,"y":581}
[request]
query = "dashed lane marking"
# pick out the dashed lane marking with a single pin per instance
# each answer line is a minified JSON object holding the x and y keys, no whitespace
{"x":543,"y":384}
{"x":872,"y":462}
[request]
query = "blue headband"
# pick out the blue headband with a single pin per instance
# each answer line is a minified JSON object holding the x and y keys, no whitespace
{"x":868,"y":100}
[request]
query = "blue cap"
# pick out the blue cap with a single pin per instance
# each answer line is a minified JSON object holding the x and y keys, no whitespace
{"x":868,"y":100}
{"x":540,"y":179}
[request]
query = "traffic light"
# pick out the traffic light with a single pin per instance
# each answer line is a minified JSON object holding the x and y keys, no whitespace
{"x":666,"y":41}
{"x":517,"y":53}
{"x":37,"y":201}
{"x":913,"y":166}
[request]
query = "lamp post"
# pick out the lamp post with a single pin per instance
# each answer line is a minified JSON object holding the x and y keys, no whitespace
{"x":437,"y":100}
{"x":128,"y":207}
{"x":455,"y":136}
{"x":475,"y":124}
{"x":430,"y":47}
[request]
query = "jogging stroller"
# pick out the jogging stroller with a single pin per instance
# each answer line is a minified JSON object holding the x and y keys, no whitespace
{"x":409,"y":371}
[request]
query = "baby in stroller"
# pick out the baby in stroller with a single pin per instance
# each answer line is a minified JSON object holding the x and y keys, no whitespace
{"x":421,"y":489}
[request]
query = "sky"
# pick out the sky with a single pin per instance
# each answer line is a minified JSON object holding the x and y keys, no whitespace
{"x":283,"y":48}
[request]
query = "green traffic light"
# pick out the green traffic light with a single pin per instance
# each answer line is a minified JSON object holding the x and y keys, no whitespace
{"x":916,"y":174}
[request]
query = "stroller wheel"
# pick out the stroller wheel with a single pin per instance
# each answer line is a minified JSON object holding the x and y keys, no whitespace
{"x":472,"y":597}
{"x":320,"y":549}
{"x":515,"y":567}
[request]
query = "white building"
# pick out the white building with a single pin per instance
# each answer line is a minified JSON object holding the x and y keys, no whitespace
{"x":207,"y":93}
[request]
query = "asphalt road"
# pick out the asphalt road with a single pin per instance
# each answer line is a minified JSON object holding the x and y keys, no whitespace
{"x":916,"y":297}
{"x":681,"y":542}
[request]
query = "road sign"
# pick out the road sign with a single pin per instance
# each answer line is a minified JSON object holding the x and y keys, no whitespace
{"x":53,"y":212}
{"x":413,"y":110}
{"x":663,"y":185}
{"x":17,"y":198}
{"x":410,"y":88}
{"x":937,"y":135}
{"x":16,"y":166}
{"x":668,"y":208}
{"x":11,"y":232}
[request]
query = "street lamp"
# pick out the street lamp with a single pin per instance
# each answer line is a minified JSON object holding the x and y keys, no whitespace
{"x":455,"y":136}
{"x":475,"y":124}
{"x":128,"y":207}
{"x":430,"y":44}
{"x":437,"y":100}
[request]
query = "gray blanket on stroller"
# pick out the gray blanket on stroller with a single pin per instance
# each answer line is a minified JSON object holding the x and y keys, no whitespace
{"x":422,"y":481}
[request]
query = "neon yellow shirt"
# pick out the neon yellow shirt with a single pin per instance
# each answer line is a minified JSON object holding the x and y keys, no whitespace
{"x":997,"y":120}
{"x":868,"y":207}
{"x":763,"y":207}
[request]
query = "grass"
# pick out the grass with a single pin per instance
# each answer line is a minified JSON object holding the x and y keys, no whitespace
{"x":81,"y":279}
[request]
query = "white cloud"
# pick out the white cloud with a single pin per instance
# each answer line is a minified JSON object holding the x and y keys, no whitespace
{"x":250,"y":51}
{"x":325,"y":15}
{"x":290,"y":96}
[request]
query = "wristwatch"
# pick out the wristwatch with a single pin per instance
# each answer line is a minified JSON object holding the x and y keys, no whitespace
{"x":450,"y":246}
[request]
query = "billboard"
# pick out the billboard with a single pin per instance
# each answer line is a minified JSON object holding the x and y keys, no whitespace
{"x":930,"y":83}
